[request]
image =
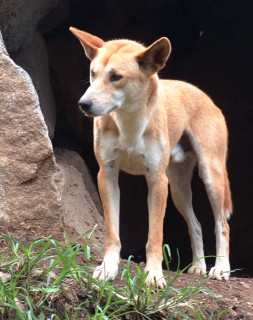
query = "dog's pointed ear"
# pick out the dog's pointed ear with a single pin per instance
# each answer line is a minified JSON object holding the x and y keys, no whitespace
{"x":155,"y":56}
{"x":90,"y":43}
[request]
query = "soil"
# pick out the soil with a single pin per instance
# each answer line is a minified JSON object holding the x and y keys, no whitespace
{"x":237,"y":293}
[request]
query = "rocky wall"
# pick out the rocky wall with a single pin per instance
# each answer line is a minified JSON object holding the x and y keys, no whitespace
{"x":29,"y":195}
{"x":38,"y":197}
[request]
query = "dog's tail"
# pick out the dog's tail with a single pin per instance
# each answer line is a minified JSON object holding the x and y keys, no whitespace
{"x":228,"y":205}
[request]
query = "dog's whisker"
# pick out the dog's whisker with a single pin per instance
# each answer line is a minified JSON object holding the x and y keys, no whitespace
{"x":85,"y":81}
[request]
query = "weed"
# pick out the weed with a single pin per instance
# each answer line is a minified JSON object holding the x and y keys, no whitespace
{"x":45,"y":280}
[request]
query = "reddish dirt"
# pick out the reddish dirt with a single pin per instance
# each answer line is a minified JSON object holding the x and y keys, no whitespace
{"x":236,"y":294}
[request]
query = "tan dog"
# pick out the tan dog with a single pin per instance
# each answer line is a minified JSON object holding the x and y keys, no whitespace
{"x":160,"y":129}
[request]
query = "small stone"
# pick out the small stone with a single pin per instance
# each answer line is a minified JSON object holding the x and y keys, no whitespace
{"x":5,"y":277}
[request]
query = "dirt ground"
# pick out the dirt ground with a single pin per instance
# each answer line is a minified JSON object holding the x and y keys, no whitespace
{"x":237,"y":293}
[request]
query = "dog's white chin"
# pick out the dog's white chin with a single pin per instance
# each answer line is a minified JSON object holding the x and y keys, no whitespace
{"x":100,"y":111}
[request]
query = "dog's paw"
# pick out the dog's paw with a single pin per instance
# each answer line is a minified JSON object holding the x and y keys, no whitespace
{"x":200,"y":271}
{"x":220,"y":273}
{"x":155,"y":277}
{"x":106,"y":271}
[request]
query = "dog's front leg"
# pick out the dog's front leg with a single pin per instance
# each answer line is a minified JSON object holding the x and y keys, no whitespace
{"x":157,"y":199}
{"x":110,"y":194}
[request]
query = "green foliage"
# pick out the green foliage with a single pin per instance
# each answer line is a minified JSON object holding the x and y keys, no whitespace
{"x":50,"y":279}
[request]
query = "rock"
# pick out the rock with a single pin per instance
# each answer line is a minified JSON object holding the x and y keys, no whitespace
{"x":5,"y":277}
{"x":29,"y":195}
{"x":81,"y":205}
{"x":70,"y":158}
{"x":33,"y":58}
{"x":38,"y":197}
{"x":18,"y":22}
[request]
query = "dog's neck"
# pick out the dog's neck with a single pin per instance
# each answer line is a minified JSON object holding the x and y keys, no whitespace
{"x":132,"y":124}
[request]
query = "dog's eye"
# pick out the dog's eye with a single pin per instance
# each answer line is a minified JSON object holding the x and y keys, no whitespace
{"x":115,"y":77}
{"x":93,"y":74}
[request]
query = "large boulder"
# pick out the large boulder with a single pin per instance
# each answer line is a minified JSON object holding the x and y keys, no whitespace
{"x":19,"y":21}
{"x":34,"y":59}
{"x":29,"y":195}
{"x":38,"y":197}
{"x":80,"y":201}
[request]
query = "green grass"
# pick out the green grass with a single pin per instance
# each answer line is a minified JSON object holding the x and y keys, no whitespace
{"x":50,"y":279}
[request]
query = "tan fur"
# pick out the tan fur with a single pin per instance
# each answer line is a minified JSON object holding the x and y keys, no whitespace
{"x":160,"y":129}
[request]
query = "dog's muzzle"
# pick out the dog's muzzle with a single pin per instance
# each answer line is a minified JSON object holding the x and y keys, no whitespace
{"x":91,"y":110}
{"x":85,"y":106}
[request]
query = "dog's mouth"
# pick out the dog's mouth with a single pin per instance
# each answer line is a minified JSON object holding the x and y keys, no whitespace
{"x":87,"y":113}
{"x":96,"y":112}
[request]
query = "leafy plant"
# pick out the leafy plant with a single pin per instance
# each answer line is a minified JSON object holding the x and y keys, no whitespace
{"x":51,"y":279}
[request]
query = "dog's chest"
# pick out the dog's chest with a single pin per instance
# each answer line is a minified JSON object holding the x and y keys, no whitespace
{"x":131,"y":147}
{"x":132,"y":158}
{"x":132,"y":150}
{"x":133,"y":154}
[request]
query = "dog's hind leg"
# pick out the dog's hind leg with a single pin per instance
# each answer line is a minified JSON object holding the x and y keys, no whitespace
{"x":180,"y":176}
{"x":214,"y":175}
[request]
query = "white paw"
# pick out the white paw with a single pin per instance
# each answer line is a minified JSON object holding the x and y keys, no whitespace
{"x":220,"y":272}
{"x":197,"y":269}
{"x":108,"y":270}
{"x":155,"y":277}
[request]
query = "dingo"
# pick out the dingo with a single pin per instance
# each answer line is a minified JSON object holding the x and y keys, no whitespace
{"x":160,"y":129}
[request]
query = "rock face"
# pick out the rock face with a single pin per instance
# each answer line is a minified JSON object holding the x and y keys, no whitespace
{"x":81,"y":204}
{"x":33,"y":58}
{"x":29,"y":196}
{"x":38,"y":197}
{"x":18,"y":21}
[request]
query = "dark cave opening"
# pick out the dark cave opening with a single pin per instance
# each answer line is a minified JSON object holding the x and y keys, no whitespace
{"x":212,"y":48}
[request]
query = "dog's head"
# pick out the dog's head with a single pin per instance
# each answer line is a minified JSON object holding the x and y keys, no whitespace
{"x":120,"y":72}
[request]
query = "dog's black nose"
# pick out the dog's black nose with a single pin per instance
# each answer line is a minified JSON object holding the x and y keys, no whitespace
{"x":85,"y":105}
